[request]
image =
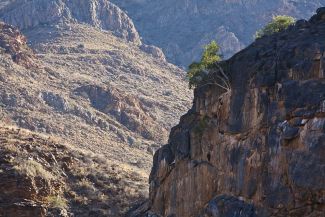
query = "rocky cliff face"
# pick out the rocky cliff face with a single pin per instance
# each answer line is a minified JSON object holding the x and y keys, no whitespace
{"x":258,"y":149}
{"x":98,"y":13}
{"x":182,"y":27}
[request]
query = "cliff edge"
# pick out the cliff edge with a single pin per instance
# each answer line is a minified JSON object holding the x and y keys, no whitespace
{"x":258,"y":149}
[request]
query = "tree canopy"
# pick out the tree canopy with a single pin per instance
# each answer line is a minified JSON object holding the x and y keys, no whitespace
{"x":197,"y":70}
{"x":277,"y":24}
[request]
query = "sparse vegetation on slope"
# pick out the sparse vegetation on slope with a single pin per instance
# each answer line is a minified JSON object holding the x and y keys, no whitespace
{"x":15,"y":44}
{"x":107,"y":95}
{"x":56,"y":178}
{"x":94,"y":91}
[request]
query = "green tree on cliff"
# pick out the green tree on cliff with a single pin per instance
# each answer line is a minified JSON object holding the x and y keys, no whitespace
{"x":198,"y":70}
{"x":278,"y":23}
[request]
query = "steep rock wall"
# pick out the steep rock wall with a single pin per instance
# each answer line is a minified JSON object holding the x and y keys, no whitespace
{"x":99,"y":13}
{"x":257,"y":150}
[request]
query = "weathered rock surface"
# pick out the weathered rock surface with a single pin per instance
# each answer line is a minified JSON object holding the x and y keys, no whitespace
{"x":12,"y":42}
{"x":98,"y":13}
{"x":154,"y":51}
{"x":257,"y":150}
{"x":181,"y":27}
{"x":127,"y":110}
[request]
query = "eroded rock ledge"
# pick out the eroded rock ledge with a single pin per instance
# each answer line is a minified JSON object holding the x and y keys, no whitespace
{"x":257,"y":150}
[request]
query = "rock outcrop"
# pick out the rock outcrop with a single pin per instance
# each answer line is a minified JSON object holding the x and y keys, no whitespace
{"x":181,"y":27}
{"x":126,"y":109}
{"x":98,"y":13}
{"x":257,"y":149}
{"x":13,"y":43}
{"x":154,"y":51}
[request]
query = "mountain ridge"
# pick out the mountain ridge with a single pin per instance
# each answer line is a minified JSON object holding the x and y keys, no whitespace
{"x":188,"y":25}
{"x":98,"y":13}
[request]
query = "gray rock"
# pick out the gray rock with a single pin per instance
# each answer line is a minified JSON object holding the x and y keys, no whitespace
{"x":320,"y":11}
{"x":55,"y":101}
{"x":99,"y":13}
{"x":8,"y":99}
{"x":154,"y":51}
{"x":227,"y":206}
{"x":289,"y":132}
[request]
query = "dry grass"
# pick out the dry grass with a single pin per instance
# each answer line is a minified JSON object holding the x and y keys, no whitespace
{"x":57,"y":202}
{"x":31,"y":168}
{"x":77,"y":180}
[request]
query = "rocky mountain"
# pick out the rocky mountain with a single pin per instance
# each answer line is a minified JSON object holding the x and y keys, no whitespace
{"x":256,"y":150}
{"x":182,"y":27}
{"x":82,"y":78}
{"x":26,"y":14}
{"x":119,"y":93}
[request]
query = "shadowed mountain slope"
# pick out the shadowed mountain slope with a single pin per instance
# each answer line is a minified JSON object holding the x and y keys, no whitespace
{"x":182,"y":27}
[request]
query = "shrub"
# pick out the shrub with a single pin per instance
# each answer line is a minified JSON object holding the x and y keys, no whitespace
{"x":57,"y":202}
{"x":198,"y":70}
{"x":32,"y":168}
{"x":279,"y":23}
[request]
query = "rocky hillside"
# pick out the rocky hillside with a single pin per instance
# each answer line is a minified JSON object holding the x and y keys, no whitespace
{"x":182,"y":27}
{"x":41,"y":177}
{"x":256,"y":150}
{"x":79,"y":81}
{"x":92,"y":89}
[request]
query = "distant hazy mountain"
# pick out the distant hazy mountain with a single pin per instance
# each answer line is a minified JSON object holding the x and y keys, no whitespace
{"x":182,"y":27}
